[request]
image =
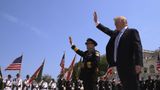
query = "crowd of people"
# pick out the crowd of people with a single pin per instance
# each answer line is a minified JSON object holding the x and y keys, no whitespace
{"x":144,"y":84}
{"x":17,"y":83}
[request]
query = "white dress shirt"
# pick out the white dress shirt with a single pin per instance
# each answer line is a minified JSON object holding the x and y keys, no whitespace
{"x":116,"y":43}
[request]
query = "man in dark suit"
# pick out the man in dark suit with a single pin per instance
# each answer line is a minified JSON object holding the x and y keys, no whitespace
{"x":124,"y":50}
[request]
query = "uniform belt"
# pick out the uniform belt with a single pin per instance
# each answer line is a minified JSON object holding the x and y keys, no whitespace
{"x":36,"y":87}
{"x":51,"y":88}
{"x":26,"y":86}
{"x":18,"y":86}
{"x":44,"y":88}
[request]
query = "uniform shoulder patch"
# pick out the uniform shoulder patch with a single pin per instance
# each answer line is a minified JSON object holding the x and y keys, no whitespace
{"x":97,"y":53}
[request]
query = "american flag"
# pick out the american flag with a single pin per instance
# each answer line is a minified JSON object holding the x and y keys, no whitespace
{"x":68,"y":74}
{"x":16,"y":64}
{"x":62,"y":63}
{"x":158,"y":63}
{"x":108,"y":73}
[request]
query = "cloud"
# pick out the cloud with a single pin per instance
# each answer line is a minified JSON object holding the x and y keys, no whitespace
{"x":10,"y":18}
{"x":38,"y":32}
{"x":16,"y":20}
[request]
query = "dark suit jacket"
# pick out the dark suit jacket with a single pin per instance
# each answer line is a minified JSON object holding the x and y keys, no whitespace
{"x":129,"y":49}
{"x":129,"y":54}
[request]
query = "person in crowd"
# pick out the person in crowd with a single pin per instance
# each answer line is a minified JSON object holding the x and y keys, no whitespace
{"x":89,"y":66}
{"x":123,"y":51}
{"x":26,"y":84}
{"x":8,"y":83}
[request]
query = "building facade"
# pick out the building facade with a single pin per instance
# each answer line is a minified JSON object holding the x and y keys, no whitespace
{"x":150,"y":59}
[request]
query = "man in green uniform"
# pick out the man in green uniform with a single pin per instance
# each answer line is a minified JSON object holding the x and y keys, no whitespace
{"x":89,"y":66}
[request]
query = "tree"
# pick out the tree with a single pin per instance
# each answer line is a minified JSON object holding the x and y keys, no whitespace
{"x":102,"y":65}
{"x":47,"y":77}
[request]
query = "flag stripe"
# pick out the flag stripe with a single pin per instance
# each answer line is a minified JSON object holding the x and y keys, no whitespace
{"x":37,"y":72}
{"x":12,"y":66}
{"x":68,"y":74}
{"x":62,"y":61}
{"x":13,"y":69}
{"x":62,"y":64}
{"x":16,"y":64}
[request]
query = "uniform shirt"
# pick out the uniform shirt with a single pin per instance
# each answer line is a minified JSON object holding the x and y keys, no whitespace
{"x":18,"y":83}
{"x":90,"y":59}
{"x":35,"y":85}
{"x":52,"y":85}
{"x":26,"y":83}
{"x":44,"y":85}
{"x":8,"y":84}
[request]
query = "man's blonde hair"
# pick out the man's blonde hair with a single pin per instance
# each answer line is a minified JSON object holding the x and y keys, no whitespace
{"x":122,"y":18}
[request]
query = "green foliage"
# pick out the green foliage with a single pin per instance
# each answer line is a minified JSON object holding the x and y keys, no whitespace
{"x":47,"y":78}
{"x":102,"y":65}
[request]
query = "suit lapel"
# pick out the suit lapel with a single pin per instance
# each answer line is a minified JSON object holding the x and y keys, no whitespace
{"x":124,"y":35}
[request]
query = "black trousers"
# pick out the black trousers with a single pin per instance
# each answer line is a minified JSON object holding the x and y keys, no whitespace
{"x":128,"y":78}
{"x":89,"y":79}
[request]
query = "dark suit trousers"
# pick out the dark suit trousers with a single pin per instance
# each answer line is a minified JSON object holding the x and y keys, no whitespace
{"x":129,"y":78}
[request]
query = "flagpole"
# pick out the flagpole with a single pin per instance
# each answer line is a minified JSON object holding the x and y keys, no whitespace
{"x":63,"y":69}
{"x":19,"y":72}
{"x":21,"y":64}
{"x":159,"y":51}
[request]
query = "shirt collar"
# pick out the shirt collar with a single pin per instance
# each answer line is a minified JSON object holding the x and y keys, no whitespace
{"x":122,"y":31}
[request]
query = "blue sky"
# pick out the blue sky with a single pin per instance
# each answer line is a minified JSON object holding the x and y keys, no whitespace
{"x":40,"y":29}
